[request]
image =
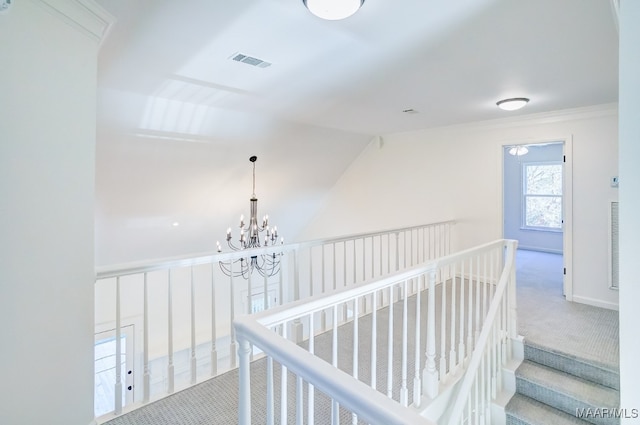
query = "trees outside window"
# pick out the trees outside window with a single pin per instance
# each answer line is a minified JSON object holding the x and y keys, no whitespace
{"x":542,"y":195}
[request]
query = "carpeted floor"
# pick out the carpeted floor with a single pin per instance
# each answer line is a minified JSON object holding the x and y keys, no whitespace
{"x":545,"y":318}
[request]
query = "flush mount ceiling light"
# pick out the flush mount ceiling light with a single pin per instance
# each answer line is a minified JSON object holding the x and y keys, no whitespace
{"x":512,"y":104}
{"x":333,"y":10}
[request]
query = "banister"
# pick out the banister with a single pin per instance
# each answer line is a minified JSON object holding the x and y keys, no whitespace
{"x":320,"y":302}
{"x":337,"y":267}
{"x":371,"y":406}
{"x":464,"y":388}
{"x":209,"y":257}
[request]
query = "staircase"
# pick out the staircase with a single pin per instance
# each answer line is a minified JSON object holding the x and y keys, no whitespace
{"x":555,"y":388}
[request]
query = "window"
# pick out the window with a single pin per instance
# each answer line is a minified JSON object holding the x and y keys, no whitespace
{"x":542,"y":196}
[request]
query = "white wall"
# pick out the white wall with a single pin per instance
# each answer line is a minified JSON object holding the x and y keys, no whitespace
{"x":47,"y":127}
{"x":455,"y":172}
{"x":629,"y":207}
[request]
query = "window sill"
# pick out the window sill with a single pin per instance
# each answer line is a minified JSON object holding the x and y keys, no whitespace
{"x":540,"y":229}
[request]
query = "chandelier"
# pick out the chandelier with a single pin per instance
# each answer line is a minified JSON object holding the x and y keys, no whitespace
{"x":250,"y":237}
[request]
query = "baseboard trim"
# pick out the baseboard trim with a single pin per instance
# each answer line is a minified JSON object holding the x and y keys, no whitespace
{"x":595,"y":303}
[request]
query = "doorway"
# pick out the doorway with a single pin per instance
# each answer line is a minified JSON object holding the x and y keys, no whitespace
{"x":106,"y":363}
{"x":537,"y":204}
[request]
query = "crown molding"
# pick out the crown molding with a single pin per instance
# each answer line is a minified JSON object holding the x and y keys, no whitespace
{"x":588,"y":112}
{"x":86,"y":16}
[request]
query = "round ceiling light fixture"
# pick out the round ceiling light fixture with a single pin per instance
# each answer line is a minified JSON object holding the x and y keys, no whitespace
{"x":333,"y":10}
{"x":513,"y":103}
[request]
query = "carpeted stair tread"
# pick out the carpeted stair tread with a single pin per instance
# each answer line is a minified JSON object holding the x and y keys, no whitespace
{"x":522,"y":410}
{"x":600,"y":373}
{"x":563,"y":391}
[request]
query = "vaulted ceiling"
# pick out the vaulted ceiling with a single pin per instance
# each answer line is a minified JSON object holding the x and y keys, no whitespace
{"x":178,"y":117}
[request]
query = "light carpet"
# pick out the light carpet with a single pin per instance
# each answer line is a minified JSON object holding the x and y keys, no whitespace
{"x":547,"y":319}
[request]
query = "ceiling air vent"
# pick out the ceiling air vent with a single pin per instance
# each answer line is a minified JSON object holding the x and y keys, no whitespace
{"x":250,"y":60}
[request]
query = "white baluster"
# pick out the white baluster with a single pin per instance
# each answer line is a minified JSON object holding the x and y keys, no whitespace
{"x":249,"y":290}
{"x":311,"y":388}
{"x":404,"y":391}
{"x":505,"y":336}
{"x":470,"y":307}
{"x":354,"y":417}
{"x":430,"y":374}
{"x":244,"y":382}
{"x":500,"y":363}
{"x":461,"y":347}
{"x":265,"y":298}
{"x":373,"y":258}
{"x":270,"y":393}
{"x":374,"y":340}
{"x":214,"y":350}
{"x":145,"y":343}
{"x":476,"y":401}
{"x":390,"y":347}
{"x":297,"y":329}
{"x":281,"y":285}
{"x":299,"y":401}
{"x":477,"y":295}
{"x":380,"y":258}
{"x":283,"y":385}
{"x":194,"y":365}
{"x":323,"y":313}
{"x":494,"y":358}
{"x":397,"y":251}
{"x":335,"y":276}
{"x":412,"y":262}
{"x":388,"y":253}
{"x":417,"y":382}
{"x":513,"y":307}
{"x":452,"y":354}
{"x":170,"y":369}
{"x":344,"y":265}
{"x":335,"y":407}
{"x":405,"y":253}
{"x":483,"y":395}
{"x":443,"y":327}
{"x":311,"y":272}
{"x":118,"y":359}
{"x":344,"y":278}
{"x":233,"y":348}
{"x":355,"y":262}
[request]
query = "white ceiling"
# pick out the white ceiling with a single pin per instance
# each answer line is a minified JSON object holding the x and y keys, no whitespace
{"x":177,"y":119}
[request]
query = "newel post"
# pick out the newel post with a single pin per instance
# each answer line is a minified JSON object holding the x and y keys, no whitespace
{"x":244,"y":380}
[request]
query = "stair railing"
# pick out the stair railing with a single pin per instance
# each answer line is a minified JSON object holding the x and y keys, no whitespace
{"x":404,"y":336}
{"x":482,"y":381}
{"x":182,"y":309}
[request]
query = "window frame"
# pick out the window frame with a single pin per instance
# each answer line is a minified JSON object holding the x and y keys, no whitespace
{"x":525,"y":195}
